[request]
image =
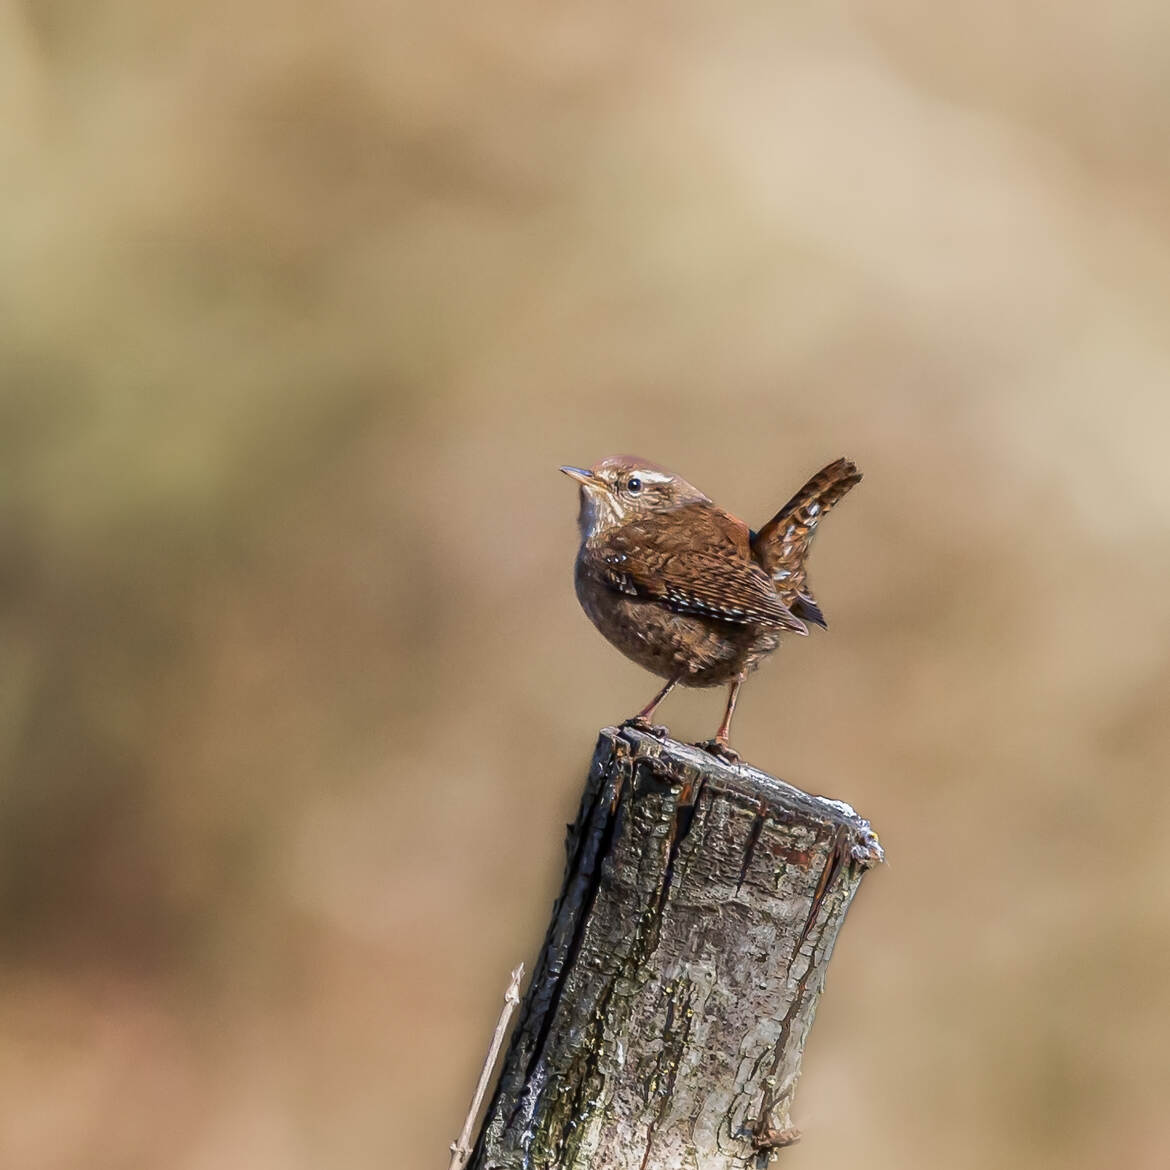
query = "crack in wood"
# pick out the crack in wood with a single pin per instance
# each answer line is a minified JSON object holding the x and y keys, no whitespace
{"x":753,"y":839}
{"x":840,"y":849}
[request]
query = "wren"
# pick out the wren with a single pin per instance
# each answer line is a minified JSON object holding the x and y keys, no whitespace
{"x":687,"y":590}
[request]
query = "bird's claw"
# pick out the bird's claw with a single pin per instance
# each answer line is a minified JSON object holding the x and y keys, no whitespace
{"x":717,"y":748}
{"x":657,"y":730}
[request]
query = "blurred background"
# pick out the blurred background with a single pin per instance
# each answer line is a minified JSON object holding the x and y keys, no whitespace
{"x":301,"y":307}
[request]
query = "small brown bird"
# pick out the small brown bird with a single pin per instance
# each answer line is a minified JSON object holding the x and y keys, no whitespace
{"x":684,"y":588}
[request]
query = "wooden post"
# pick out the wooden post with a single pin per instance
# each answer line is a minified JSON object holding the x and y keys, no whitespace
{"x":667,"y":1013}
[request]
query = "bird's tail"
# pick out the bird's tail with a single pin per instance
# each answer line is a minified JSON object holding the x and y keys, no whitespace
{"x":782,"y":545}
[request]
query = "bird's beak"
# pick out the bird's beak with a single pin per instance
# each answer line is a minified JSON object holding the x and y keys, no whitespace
{"x":580,"y":474}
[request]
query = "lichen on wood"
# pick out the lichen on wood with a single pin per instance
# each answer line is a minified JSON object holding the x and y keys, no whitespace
{"x":667,"y":1014}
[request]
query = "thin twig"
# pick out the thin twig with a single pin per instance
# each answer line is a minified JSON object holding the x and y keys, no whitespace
{"x":461,"y":1150}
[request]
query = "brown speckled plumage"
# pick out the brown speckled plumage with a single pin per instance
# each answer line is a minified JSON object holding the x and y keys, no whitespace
{"x":684,"y":588}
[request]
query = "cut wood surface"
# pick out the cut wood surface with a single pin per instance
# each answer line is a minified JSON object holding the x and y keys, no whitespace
{"x":667,"y":1013}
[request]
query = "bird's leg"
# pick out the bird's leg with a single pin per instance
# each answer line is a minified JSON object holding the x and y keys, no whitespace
{"x":718,"y":745}
{"x":642,"y":720}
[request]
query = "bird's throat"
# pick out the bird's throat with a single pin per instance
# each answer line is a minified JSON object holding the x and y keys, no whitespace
{"x":599,"y":512}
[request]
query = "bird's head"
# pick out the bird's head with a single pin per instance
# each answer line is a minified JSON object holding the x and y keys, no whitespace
{"x":623,"y":487}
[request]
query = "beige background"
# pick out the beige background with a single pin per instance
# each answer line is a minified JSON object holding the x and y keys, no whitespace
{"x":301,"y":306}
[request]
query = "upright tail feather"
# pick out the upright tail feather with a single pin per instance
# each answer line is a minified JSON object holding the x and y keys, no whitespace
{"x":781,"y":546}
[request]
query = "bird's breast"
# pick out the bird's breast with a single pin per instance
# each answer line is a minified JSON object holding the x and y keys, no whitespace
{"x":702,"y":650}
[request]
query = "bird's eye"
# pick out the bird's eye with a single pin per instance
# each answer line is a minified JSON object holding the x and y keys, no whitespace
{"x":634,"y":485}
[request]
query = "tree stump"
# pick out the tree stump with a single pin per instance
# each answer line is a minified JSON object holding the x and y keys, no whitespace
{"x":667,"y":1013}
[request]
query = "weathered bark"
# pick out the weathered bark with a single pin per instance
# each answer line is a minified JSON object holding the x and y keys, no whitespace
{"x":666,"y":1017}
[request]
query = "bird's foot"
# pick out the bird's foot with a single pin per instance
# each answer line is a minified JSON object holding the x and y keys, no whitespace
{"x":638,"y":723}
{"x":716,"y":747}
